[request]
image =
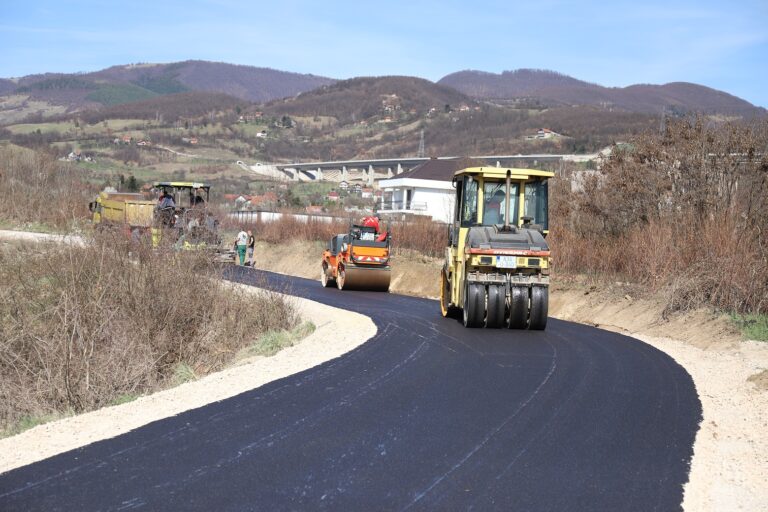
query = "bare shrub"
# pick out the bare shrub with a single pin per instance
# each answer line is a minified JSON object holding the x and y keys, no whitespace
{"x":683,"y":212}
{"x":417,"y":233}
{"x":37,"y":188}
{"x":420,"y":234}
{"x":83,"y":326}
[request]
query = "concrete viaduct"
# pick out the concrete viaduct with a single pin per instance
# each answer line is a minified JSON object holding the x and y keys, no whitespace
{"x":368,"y":171}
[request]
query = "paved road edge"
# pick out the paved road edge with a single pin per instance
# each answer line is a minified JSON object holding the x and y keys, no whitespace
{"x":337,"y":332}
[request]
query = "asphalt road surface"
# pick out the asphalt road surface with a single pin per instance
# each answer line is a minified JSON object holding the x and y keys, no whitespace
{"x":427,"y":415}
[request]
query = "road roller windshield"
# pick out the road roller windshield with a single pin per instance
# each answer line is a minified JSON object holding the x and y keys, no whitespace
{"x":495,"y":203}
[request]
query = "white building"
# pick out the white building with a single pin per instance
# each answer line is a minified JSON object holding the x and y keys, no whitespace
{"x":424,"y":190}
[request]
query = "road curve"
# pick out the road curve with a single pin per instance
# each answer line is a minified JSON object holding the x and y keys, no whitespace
{"x":427,"y":415}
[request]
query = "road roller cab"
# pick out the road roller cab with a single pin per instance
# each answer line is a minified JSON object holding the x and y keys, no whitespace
{"x":358,"y":259}
{"x":497,"y":261}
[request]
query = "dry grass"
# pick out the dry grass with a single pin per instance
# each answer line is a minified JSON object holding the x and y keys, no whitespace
{"x":683,"y":213}
{"x":84,"y":327}
{"x":37,"y":189}
{"x":419,"y":234}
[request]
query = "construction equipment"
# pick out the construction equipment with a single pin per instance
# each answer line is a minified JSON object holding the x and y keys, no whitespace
{"x":180,"y":216}
{"x":130,"y":212}
{"x":359,"y":259}
{"x":497,"y":260}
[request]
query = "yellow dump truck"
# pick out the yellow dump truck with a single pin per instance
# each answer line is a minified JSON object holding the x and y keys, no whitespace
{"x":131,"y":212}
{"x":179,"y":217}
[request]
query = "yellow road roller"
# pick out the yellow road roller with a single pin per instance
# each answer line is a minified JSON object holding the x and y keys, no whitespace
{"x":496,"y":269}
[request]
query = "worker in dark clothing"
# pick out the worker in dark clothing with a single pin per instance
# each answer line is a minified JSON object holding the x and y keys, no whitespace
{"x":165,"y":208}
{"x":250,"y":248}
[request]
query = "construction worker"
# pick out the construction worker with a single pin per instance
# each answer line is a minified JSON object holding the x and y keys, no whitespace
{"x":242,"y":243}
{"x":165,"y":208}
{"x":373,"y":222}
{"x":165,"y":201}
{"x":251,"y":246}
{"x":493,"y":212}
{"x":197,"y":200}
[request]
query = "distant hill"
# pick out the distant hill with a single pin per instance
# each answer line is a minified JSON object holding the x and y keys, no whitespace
{"x":358,"y":99}
{"x":385,"y":116}
{"x":138,"y":82}
{"x":170,"y":107}
{"x":553,"y":88}
{"x":7,"y":86}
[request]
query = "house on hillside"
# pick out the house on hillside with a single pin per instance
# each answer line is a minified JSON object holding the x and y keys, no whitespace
{"x":250,"y":118}
{"x":266,"y":201}
{"x":333,"y":196}
{"x":238,"y":201}
{"x":427,"y":189}
{"x":543,"y":133}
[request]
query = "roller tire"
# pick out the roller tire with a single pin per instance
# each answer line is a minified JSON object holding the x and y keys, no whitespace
{"x":325,"y":279}
{"x":518,"y":308}
{"x":341,"y":276}
{"x":539,"y":307}
{"x":474,"y":305}
{"x":446,"y":309}
{"x":496,"y":306}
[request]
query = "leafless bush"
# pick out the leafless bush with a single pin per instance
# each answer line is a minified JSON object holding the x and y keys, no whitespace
{"x":684,"y":212}
{"x":82,"y":326}
{"x":420,"y":234}
{"x":36,"y":188}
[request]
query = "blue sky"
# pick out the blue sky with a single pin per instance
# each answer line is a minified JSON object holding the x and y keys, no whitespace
{"x":714,"y":43}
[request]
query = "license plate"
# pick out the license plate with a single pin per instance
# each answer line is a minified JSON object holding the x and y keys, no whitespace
{"x":506,"y":261}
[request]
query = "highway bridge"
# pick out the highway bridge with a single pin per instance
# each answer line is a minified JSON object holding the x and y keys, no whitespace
{"x":370,"y":170}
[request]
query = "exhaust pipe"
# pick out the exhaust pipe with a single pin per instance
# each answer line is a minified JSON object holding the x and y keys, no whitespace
{"x":506,"y":206}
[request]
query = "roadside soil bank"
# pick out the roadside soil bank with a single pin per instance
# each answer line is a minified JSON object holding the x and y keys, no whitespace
{"x":412,"y":273}
{"x":337,"y":332}
{"x":730,"y":465}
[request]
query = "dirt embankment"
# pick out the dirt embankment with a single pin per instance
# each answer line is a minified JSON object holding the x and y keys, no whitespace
{"x":730,"y":466}
{"x":412,"y":273}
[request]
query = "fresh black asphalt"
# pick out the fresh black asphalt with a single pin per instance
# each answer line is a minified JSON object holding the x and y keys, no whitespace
{"x":427,"y":415}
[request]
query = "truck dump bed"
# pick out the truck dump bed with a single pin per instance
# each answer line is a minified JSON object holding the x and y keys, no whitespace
{"x":131,"y":209}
